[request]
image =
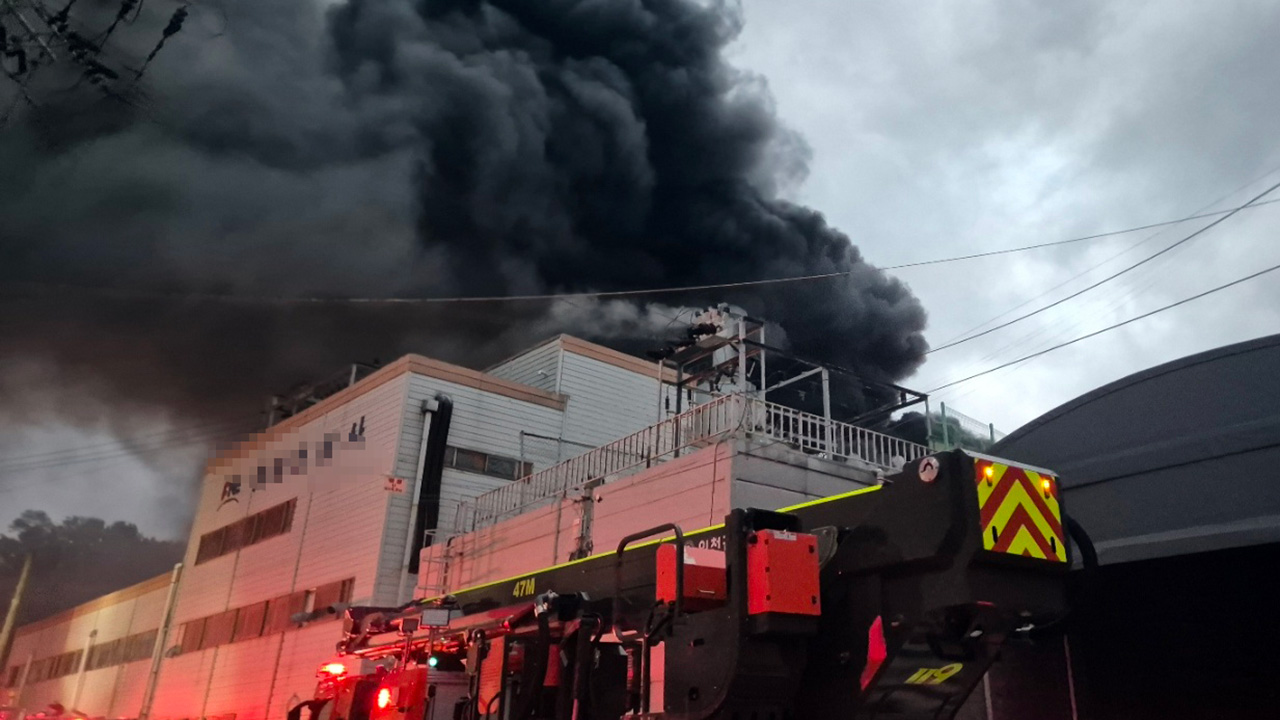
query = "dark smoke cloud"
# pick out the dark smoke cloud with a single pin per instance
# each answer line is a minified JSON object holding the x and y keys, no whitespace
{"x":397,"y":148}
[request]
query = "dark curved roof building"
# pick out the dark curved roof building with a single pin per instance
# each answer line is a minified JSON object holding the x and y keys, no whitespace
{"x":1181,"y":458}
{"x":1175,"y":473}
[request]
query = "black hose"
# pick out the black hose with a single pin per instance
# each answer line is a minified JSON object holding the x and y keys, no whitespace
{"x":1087,"y":578}
{"x":1088,"y":584}
{"x":583,"y":656}
{"x":535,"y":669}
{"x":1088,"y":553}
{"x":593,"y":700}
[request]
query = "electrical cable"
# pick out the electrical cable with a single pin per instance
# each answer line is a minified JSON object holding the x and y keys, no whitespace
{"x":121,"y":454}
{"x":1109,"y":328}
{"x":1053,"y":333}
{"x":316,"y":300}
{"x":1079,"y":321}
{"x":1200,"y":213}
{"x":1113,"y":276}
{"x":5,"y":462}
{"x":1085,"y":238}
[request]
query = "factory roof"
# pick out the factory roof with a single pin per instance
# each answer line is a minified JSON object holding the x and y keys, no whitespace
{"x":1178,"y":458}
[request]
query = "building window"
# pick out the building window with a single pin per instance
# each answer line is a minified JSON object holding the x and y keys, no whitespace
{"x":469,"y":460}
{"x":218,"y":629}
{"x":280,"y":611}
{"x":192,"y":633}
{"x":333,"y":593}
{"x":250,"y":621}
{"x":262,"y":525}
{"x":502,"y":467}
{"x":238,"y":534}
{"x":67,"y":663}
{"x":210,"y":545}
{"x":104,"y":655}
{"x":475,"y":461}
{"x":273,"y":521}
{"x":243,"y":623}
{"x":139,"y":646}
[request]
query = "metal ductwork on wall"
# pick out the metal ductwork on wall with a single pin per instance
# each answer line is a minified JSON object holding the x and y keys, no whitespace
{"x":427,"y":516}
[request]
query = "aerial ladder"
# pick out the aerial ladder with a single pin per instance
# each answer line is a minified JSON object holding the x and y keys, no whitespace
{"x":888,"y":602}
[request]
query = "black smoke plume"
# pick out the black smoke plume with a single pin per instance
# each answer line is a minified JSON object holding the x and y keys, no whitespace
{"x":299,"y":149}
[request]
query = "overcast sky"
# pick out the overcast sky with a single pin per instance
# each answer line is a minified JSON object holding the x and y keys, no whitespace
{"x":940,"y":129}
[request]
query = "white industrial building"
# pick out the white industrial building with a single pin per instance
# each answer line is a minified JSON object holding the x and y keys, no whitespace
{"x":319,"y":510}
{"x":314,"y":511}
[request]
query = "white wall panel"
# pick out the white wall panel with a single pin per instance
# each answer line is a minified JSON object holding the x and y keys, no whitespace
{"x":240,"y":680}
{"x":606,"y":402}
{"x":335,"y":534}
{"x":483,"y":421}
{"x":183,"y":681}
{"x":535,"y":367}
{"x":301,"y":653}
{"x":131,"y":610}
{"x":131,"y":683}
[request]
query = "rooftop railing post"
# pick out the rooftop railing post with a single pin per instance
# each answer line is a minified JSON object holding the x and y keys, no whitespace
{"x":826,"y":405}
{"x":946,"y":434}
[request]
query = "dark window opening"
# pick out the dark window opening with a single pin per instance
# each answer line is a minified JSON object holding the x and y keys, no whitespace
{"x":475,"y":461}
{"x":262,"y":525}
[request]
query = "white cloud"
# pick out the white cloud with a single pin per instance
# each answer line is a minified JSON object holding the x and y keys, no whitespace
{"x":948,"y":128}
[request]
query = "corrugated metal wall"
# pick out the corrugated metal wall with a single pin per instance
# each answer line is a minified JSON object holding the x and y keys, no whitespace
{"x":536,"y":367}
{"x":336,"y":533}
{"x":482,"y":421}
{"x":605,"y":402}
{"x":114,"y":690}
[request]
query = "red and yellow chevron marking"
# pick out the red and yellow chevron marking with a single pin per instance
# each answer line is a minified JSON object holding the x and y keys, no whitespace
{"x":1019,"y":511}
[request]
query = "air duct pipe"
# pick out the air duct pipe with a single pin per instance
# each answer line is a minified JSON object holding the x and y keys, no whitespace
{"x":427,"y":510}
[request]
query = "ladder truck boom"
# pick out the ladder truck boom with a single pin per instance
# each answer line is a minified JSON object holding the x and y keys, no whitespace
{"x":887,"y":602}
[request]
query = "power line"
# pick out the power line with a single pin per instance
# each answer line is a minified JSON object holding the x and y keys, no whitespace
{"x":1098,"y":236}
{"x":281,"y":300}
{"x":122,"y":454}
{"x":1109,"y":328}
{"x":1047,"y":334}
{"x":105,"y":459}
{"x":1113,"y":276}
{"x":1056,"y":334}
{"x":1200,"y":213}
{"x":119,"y":453}
{"x":119,"y":443}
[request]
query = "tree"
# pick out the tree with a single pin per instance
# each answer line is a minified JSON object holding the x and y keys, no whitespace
{"x":77,"y":560}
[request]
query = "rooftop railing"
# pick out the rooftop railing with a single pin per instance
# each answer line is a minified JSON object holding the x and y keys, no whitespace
{"x":696,"y":427}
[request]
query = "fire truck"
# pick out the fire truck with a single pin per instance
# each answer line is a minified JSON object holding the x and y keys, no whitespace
{"x":887,"y":602}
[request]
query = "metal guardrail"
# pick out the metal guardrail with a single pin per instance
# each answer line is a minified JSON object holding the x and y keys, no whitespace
{"x":952,"y":429}
{"x":697,"y":426}
{"x":833,"y":439}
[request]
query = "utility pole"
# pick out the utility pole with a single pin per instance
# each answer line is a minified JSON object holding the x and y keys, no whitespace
{"x":162,"y":642}
{"x":15,"y":603}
